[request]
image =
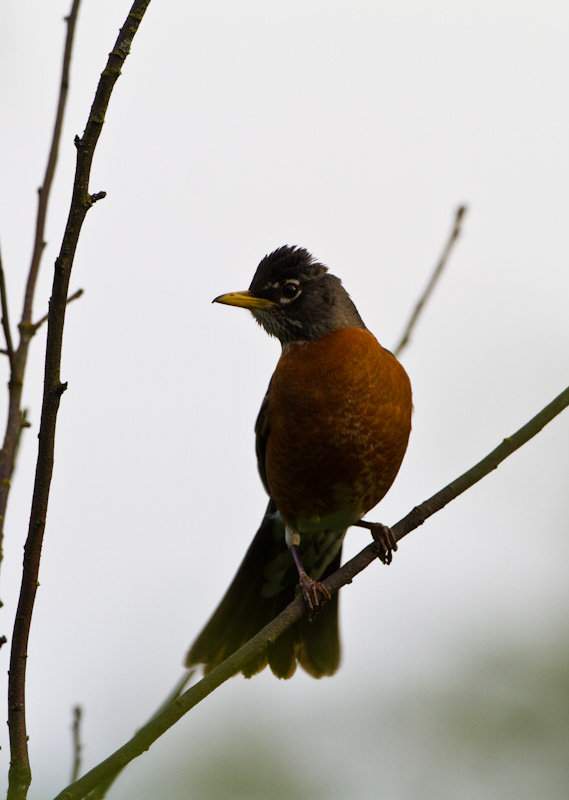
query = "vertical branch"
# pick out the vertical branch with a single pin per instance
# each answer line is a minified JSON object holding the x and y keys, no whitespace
{"x":19,"y":357}
{"x":81,"y":202}
{"x":45,"y":189}
{"x":6,"y":317}
{"x":77,"y":746}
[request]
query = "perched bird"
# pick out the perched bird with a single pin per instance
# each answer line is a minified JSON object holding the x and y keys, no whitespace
{"x":331,"y":435}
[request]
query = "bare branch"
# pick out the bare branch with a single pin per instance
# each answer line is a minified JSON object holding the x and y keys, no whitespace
{"x":96,"y":197}
{"x":76,"y":740}
{"x":455,"y":233}
{"x":45,"y":189}
{"x":438,"y":501}
{"x":75,"y":296}
{"x":20,"y":773}
{"x":6,"y":317}
{"x":20,"y":356}
{"x":148,"y":734}
{"x":102,"y":789}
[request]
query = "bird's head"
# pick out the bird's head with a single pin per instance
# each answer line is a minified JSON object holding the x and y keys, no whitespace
{"x":295,"y":298}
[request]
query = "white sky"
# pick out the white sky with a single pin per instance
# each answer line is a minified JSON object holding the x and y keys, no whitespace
{"x":353,"y":129}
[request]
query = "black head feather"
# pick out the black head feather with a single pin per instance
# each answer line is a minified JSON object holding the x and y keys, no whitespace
{"x":309,"y":301}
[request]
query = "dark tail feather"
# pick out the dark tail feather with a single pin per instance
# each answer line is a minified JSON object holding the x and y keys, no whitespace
{"x":245,"y":610}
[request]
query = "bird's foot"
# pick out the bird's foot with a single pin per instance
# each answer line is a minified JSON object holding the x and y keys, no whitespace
{"x":384,"y":540}
{"x":314,"y":593}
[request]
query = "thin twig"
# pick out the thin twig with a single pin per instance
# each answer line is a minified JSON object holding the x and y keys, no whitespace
{"x":75,"y":296}
{"x":6,"y":317}
{"x":18,"y":362}
{"x":455,"y":233}
{"x":148,"y":734}
{"x":45,"y":189}
{"x":76,"y":741}
{"x":20,"y":773}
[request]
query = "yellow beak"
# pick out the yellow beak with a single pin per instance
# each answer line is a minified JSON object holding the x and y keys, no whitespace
{"x":244,"y":300}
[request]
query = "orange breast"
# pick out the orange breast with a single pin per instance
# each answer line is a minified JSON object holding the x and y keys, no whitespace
{"x":338,"y":421}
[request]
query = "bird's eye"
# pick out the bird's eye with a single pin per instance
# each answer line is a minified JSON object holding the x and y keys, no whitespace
{"x":290,"y":289}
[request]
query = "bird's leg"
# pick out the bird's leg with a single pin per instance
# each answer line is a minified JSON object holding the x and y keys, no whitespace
{"x":315,"y":595}
{"x":383,"y":537}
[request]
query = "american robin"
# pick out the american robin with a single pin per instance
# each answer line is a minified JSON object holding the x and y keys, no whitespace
{"x":330,"y":437}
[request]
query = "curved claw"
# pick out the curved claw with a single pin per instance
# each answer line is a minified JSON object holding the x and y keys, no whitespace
{"x":385,"y":541}
{"x":314,"y":593}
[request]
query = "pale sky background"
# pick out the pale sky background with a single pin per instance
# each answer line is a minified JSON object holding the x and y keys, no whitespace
{"x":353,"y":129}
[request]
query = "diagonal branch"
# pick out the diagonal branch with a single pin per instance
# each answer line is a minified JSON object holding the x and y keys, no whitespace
{"x":102,"y":789}
{"x":455,"y":233}
{"x":148,"y":734}
{"x":75,"y":296}
{"x":20,"y":773}
{"x":438,"y":501}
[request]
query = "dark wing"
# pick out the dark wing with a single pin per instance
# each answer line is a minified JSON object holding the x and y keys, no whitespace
{"x":261,"y":436}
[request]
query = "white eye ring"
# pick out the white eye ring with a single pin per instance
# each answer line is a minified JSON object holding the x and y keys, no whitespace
{"x":290,"y":289}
